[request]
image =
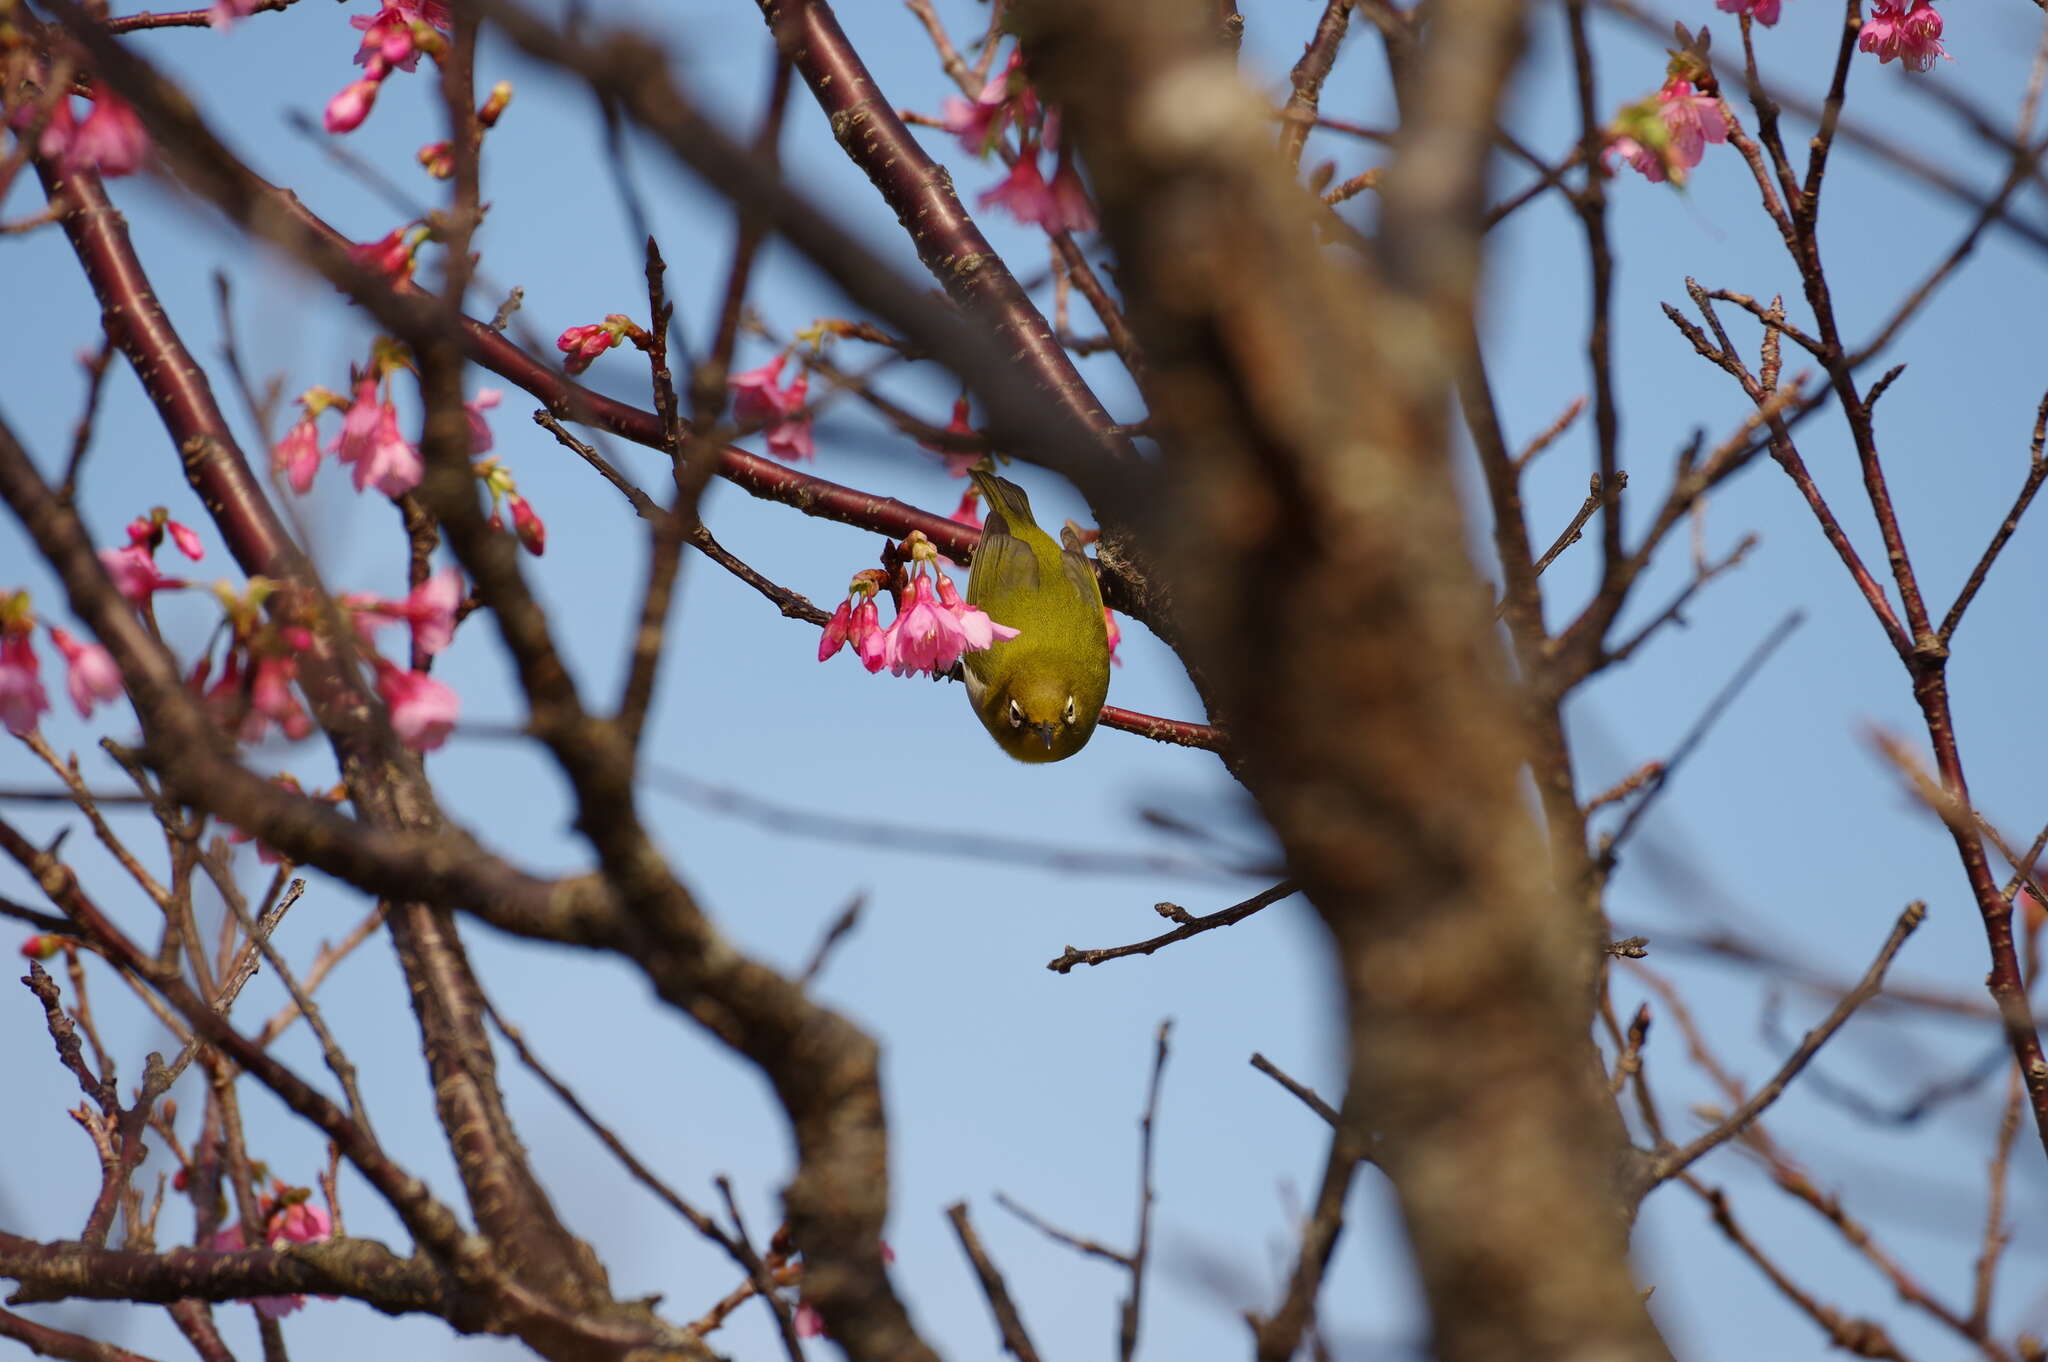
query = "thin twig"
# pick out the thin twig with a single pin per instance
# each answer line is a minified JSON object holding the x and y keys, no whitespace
{"x":1009,"y":1323}
{"x":1678,"y":1160}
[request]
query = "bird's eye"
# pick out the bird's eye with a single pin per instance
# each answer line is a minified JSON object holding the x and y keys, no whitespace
{"x":1070,"y":709}
{"x":1016,"y":715}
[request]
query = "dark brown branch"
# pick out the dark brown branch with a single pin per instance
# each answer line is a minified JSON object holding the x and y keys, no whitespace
{"x":1308,"y":1095}
{"x":1226,"y":917}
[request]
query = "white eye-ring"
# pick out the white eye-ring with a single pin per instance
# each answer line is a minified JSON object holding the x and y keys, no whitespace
{"x":1070,"y":709}
{"x":1016,"y":715}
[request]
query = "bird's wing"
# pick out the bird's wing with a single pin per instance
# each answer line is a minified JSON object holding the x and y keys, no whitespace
{"x":1080,"y":572}
{"x":1001,"y":560}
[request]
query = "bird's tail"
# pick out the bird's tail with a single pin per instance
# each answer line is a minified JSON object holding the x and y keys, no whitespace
{"x":1003,"y":495}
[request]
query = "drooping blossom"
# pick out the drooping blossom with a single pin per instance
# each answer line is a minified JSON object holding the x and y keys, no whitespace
{"x":759,"y":397}
{"x":388,"y":41}
{"x":352,"y":104}
{"x":527,"y":524}
{"x":135,"y":573}
{"x":1116,"y":635}
{"x":968,"y":512}
{"x":856,"y":622}
{"x":22,"y":699}
{"x":109,"y":140}
{"x":187,"y":540}
{"x":297,"y":455}
{"x":809,"y":1323}
{"x":271,"y":699}
{"x":1023,"y":193}
{"x":428,"y":611}
{"x":91,"y":676}
{"x":1908,"y":30}
{"x":1071,"y":209}
{"x":371,"y":441}
{"x":479,"y":429}
{"x":957,"y":461}
{"x":979,"y":123}
{"x":1764,"y":12}
{"x":977,"y":629}
{"x":423,"y":711}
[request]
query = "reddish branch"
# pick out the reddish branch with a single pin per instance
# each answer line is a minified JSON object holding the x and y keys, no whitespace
{"x":921,"y":193}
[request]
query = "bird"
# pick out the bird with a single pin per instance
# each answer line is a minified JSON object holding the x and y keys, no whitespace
{"x":1040,"y":693}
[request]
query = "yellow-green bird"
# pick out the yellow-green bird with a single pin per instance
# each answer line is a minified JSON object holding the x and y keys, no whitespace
{"x":1040,"y":693}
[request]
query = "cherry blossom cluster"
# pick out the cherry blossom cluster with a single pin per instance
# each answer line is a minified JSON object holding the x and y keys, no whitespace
{"x":289,"y":1217}
{"x":933,"y":627}
{"x":393,"y":39}
{"x":252,"y":686}
{"x":1908,"y":31}
{"x":371,"y":442}
{"x":982,"y":125}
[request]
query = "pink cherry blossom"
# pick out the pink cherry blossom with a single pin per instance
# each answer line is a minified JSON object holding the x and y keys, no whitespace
{"x":526,"y":523}
{"x":297,"y":1222}
{"x":387,"y":40}
{"x":389,"y":255}
{"x":91,"y":676}
{"x":759,"y":398}
{"x":957,"y":461}
{"x":297,"y":455}
{"x":22,"y":701}
{"x":582,"y":344}
{"x":135,"y":574}
{"x":187,"y":540}
{"x":852,"y":623}
{"x":429,"y":609}
{"x":371,"y":441}
{"x":836,"y":629}
{"x":423,"y":710}
{"x":977,"y":629}
{"x":1694,"y":120}
{"x":1023,"y":193}
{"x":1689,"y":120}
{"x":1116,"y":635}
{"x":479,"y":429}
{"x":347,"y":110}
{"x":979,"y":122}
{"x":271,"y":697}
{"x":1764,"y":12}
{"x":110,"y":140}
{"x":1071,"y":209}
{"x":59,"y":126}
{"x":968,"y":512}
{"x":809,"y":1323}
{"x":1908,"y":30}
{"x":223,"y":13}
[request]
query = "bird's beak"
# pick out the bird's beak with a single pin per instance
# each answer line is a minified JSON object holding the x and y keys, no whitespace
{"x":1046,"y":731}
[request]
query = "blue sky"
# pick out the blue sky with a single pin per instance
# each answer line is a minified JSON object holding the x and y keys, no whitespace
{"x":1001,"y":1075}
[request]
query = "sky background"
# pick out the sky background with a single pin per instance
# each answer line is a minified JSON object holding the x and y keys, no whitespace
{"x":1001,"y":1075}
